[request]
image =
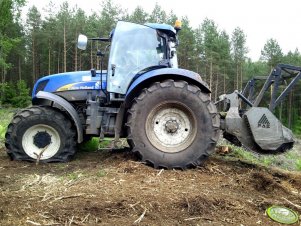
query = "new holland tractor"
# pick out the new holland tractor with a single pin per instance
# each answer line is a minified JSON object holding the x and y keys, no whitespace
{"x":165,"y":112}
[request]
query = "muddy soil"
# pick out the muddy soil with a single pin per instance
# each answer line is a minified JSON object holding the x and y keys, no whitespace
{"x":112,"y":188}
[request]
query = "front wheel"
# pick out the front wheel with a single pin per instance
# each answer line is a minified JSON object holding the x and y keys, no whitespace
{"x":173,"y":124}
{"x":40,"y":133}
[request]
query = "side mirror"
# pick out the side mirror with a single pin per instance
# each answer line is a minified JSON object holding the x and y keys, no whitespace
{"x":82,"y":42}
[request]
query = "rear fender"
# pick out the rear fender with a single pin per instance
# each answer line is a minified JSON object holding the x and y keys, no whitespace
{"x":144,"y":80}
{"x":42,"y":96}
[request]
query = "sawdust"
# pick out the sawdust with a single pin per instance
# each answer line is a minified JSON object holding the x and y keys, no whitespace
{"x":104,"y":188}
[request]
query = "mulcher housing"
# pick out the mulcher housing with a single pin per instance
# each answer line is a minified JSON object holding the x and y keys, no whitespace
{"x":250,"y":123}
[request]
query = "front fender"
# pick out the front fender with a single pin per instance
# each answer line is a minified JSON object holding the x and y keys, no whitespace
{"x":147,"y":78}
{"x":41,"y":95}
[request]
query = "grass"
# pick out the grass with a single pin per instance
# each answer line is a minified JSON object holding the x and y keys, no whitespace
{"x":290,"y":160}
{"x":94,"y":144}
{"x":73,"y":175}
{"x":298,"y":164}
{"x":101,"y":173}
{"x":6,"y":115}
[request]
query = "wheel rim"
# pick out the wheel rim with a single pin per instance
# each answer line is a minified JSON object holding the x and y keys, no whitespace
{"x":41,"y":141}
{"x":171,"y":127}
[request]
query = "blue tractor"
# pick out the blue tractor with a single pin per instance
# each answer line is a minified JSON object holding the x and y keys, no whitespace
{"x":164,"y":112}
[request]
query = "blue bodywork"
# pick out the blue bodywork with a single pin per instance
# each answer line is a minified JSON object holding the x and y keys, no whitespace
{"x":80,"y":80}
{"x":163,"y":74}
{"x":83,"y":80}
{"x":168,"y":72}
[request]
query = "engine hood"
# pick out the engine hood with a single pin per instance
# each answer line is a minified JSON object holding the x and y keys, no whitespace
{"x":80,"y":80}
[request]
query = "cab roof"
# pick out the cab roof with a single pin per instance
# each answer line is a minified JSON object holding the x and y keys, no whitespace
{"x":168,"y":29}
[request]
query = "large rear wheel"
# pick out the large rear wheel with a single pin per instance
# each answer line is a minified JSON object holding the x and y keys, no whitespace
{"x":40,"y":133}
{"x":173,"y":124}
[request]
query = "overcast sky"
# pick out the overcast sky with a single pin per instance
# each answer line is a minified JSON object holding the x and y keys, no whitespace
{"x":259,"y":19}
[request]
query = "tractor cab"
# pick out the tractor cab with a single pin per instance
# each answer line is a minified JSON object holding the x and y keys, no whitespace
{"x":136,"y":49}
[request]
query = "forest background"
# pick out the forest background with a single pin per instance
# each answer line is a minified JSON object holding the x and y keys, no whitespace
{"x":46,"y":43}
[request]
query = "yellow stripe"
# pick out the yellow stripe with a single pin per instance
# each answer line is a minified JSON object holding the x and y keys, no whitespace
{"x":65,"y":87}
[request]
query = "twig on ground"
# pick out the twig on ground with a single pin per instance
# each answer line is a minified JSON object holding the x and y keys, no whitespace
{"x":32,"y":222}
{"x":192,"y":218}
{"x":188,"y":204}
{"x":295,"y":205}
{"x":70,"y":222}
{"x":67,"y":197}
{"x":137,"y":163}
{"x":46,"y":197}
{"x":44,"y":216}
{"x":40,"y":155}
{"x":132,"y":205}
{"x":37,"y":181}
{"x":86,"y":217}
{"x":160,"y":172}
{"x":140,"y":218}
{"x":215,"y":169}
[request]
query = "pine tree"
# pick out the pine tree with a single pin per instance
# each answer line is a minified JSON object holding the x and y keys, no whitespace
{"x":239,"y":52}
{"x":271,"y":53}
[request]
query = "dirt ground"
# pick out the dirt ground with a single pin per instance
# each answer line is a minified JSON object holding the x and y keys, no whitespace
{"x":105,"y":188}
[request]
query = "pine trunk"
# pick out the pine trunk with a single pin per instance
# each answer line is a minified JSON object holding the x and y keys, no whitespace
{"x":20,"y":69}
{"x":49,"y":58}
{"x":224,"y":83}
{"x":237,"y":77}
{"x":80,"y":60}
{"x":58,"y":61}
{"x":216,"y":87}
{"x":75,"y":56}
{"x":3,"y":76}
{"x":241,"y":76}
{"x":91,"y":55}
{"x":65,"y":48}
{"x":290,"y":97}
{"x":210,"y":75}
{"x":33,"y":61}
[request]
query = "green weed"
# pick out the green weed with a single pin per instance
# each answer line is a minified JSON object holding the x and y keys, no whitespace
{"x":94,"y":144}
{"x":268,"y":160}
{"x":90,"y":145}
{"x":286,"y":160}
{"x":74,"y":175}
{"x":6,"y":115}
{"x":298,"y":164}
{"x":2,"y":131}
{"x":101,"y":173}
{"x":104,"y":143}
{"x":241,"y":153}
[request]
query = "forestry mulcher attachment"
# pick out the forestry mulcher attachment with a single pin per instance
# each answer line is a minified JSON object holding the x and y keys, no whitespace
{"x":247,"y":123}
{"x":164,"y":112}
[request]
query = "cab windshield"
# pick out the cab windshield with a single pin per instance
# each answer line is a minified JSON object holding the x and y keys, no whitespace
{"x":134,"y":48}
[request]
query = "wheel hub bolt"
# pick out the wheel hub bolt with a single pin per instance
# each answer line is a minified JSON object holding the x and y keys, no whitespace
{"x":171,"y":126}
